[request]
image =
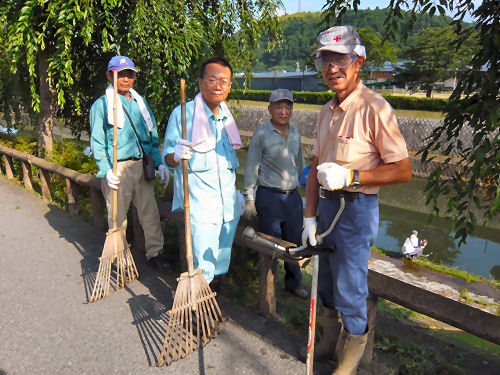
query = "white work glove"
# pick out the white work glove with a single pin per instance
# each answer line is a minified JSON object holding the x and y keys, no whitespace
{"x":241,"y":201}
{"x":164,"y":174}
{"x":333,"y":176}
{"x":250,"y":211}
{"x":112,"y":179}
{"x":309,"y":232}
{"x":183,"y":150}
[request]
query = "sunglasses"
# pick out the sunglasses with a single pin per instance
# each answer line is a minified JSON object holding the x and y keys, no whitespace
{"x":340,"y":60}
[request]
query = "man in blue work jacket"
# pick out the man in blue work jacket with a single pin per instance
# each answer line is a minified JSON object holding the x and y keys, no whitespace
{"x":212,"y":140}
{"x":276,"y":160}
{"x":135,"y":141}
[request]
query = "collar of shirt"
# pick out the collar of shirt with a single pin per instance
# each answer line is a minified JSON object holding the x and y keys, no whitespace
{"x":220,"y":116}
{"x":270,"y":127}
{"x":346,"y":104}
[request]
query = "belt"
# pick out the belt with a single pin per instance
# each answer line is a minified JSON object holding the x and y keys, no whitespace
{"x":349,"y":196}
{"x":276,"y":190}
{"x":131,"y":158}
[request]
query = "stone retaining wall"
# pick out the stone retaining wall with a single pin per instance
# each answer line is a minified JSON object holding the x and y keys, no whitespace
{"x":414,"y":130}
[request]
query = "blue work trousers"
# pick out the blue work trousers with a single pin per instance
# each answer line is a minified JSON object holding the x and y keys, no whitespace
{"x":342,"y":279}
{"x":212,"y":246}
{"x":280,"y":215}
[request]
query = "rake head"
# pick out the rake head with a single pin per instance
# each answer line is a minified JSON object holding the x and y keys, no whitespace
{"x":116,"y":251}
{"x":194,"y":319}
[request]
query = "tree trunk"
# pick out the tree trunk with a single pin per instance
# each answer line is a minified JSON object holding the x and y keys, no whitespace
{"x":428,"y":91}
{"x":47,"y":99}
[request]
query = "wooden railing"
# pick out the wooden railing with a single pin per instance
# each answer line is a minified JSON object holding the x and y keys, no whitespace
{"x":457,"y":314}
{"x":72,"y":178}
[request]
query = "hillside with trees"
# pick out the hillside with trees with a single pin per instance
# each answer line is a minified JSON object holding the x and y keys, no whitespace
{"x":300,"y":31}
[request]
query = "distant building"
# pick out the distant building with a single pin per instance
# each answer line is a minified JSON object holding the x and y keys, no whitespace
{"x":312,"y":81}
{"x":296,"y":81}
{"x":381,"y":74}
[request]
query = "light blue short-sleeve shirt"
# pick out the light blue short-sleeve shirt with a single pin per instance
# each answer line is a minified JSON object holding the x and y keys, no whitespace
{"x":211,"y":175}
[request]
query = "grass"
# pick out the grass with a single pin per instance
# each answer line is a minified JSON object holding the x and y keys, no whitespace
{"x":423,"y":262}
{"x":458,"y":338}
{"x":415,"y":358}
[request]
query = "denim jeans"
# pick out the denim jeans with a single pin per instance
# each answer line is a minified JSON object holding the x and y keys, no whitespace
{"x":281,"y":215}
{"x":342,"y":279}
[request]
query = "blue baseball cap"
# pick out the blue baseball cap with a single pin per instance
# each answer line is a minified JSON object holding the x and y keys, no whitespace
{"x":120,"y":63}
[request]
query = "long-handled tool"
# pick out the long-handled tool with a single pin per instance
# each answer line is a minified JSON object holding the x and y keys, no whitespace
{"x":115,"y":246}
{"x":193,"y":297}
{"x":304,"y":251}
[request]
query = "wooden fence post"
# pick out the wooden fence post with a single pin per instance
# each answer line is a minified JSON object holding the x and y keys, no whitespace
{"x":71,"y":192}
{"x":9,"y":167}
{"x":371,"y":303}
{"x":267,"y":285}
{"x":98,"y":205}
{"x":45,"y":184}
{"x":27,"y":176}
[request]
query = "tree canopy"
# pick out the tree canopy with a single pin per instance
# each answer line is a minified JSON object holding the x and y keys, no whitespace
{"x":437,"y":54}
{"x":300,"y":31}
{"x":473,"y":106}
{"x":64,"y":46}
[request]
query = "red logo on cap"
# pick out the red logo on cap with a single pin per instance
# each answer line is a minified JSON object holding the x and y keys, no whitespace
{"x":337,"y":38}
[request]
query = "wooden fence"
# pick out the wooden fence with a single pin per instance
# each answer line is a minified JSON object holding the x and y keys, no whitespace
{"x":454,"y":313}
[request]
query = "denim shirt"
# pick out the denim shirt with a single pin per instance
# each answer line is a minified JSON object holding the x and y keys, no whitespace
{"x":101,"y":135}
{"x":211,"y":175}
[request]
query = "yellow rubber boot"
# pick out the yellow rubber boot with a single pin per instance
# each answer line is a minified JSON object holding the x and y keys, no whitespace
{"x":350,"y":349}
{"x":325,"y":349}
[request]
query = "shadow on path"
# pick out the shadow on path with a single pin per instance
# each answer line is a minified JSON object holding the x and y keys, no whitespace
{"x":149,"y":312}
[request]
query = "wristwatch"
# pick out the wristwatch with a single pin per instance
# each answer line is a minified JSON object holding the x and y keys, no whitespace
{"x":355,"y":179}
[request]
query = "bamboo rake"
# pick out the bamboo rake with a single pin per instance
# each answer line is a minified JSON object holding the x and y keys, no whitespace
{"x":116,"y":248}
{"x":193,"y":298}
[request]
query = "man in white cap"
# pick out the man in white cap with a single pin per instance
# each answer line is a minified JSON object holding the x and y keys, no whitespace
{"x":137,"y":138}
{"x":276,"y":160}
{"x":412,"y":247}
{"x":358,"y":148}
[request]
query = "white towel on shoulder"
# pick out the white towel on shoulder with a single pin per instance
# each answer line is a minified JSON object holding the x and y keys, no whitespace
{"x":121,"y":114}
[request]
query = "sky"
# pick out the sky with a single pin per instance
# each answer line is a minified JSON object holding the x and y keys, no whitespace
{"x":292,"y":6}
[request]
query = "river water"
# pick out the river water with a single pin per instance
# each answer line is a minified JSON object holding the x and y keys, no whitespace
{"x":402,"y":209}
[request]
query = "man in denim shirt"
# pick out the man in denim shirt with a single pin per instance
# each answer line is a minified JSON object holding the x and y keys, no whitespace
{"x":275,"y":159}
{"x":212,"y":140}
{"x":133,"y":146}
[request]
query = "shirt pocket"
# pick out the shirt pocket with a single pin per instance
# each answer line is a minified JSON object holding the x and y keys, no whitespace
{"x":198,"y":162}
{"x":232,"y":158}
{"x":346,"y":149}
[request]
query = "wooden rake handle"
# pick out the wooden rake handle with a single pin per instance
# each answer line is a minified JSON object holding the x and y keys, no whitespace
{"x":187,"y":217}
{"x":114,"y":193}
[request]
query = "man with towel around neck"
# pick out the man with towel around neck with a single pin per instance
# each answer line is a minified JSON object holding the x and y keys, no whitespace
{"x":129,"y":180}
{"x":212,"y":141}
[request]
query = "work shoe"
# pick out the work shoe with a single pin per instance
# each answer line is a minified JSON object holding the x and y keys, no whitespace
{"x":325,"y":349}
{"x":350,"y":349}
{"x":160,"y":264}
{"x":299,"y":292}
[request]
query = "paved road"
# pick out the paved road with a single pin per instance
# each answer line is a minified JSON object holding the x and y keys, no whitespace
{"x":48,"y":262}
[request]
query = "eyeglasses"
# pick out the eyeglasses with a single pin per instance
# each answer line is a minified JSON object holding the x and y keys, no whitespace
{"x":340,"y":60}
{"x":212,"y":82}
{"x":285,"y":107}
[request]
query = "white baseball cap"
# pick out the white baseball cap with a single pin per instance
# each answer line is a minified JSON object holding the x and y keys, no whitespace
{"x":341,"y":39}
